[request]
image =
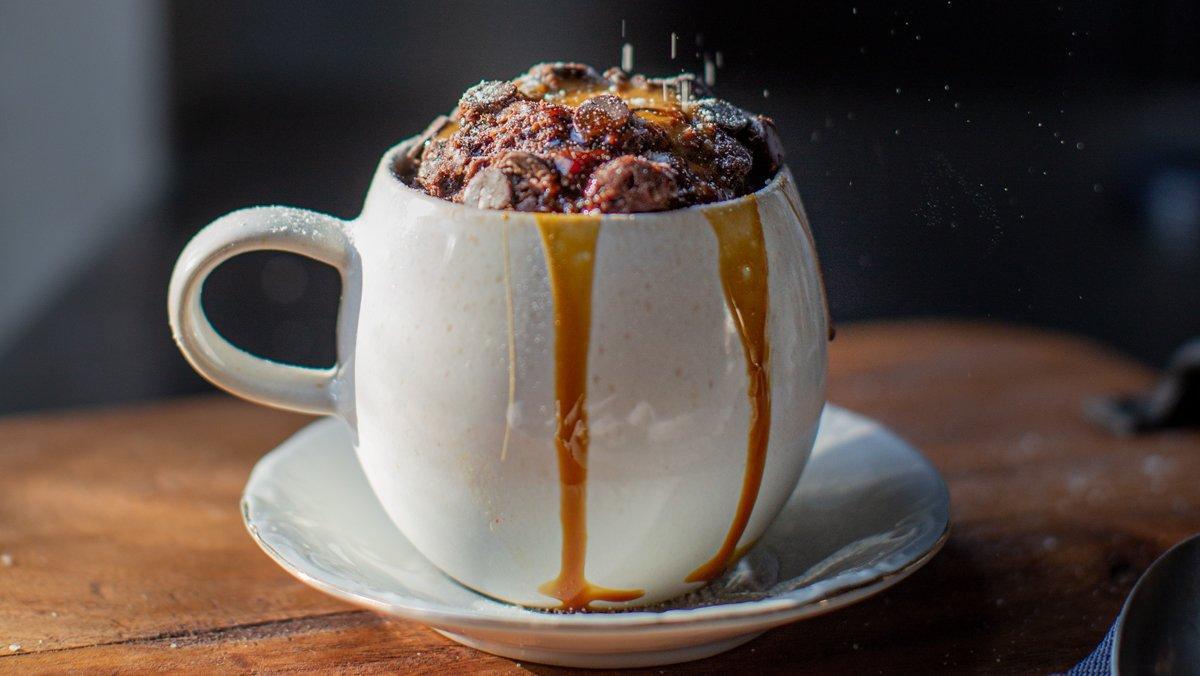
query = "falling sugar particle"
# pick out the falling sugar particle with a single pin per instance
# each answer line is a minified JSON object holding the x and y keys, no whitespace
{"x":854,"y":10}
{"x":710,"y":72}
{"x":622,"y":28}
{"x":627,"y":57}
{"x":946,"y":87}
{"x":957,"y":105}
{"x":1079,"y":146}
{"x":674,"y":41}
{"x":720,"y":60}
{"x":766,"y":93}
{"x":897,"y":90}
{"x":897,"y":132}
{"x":1097,"y":188}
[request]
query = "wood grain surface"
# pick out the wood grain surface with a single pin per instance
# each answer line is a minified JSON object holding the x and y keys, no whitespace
{"x":121,"y":546}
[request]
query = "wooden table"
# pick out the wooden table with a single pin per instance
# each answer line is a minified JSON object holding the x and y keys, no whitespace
{"x":121,"y":546}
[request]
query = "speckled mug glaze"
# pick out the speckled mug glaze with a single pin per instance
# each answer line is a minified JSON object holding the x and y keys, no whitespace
{"x":446,"y":379}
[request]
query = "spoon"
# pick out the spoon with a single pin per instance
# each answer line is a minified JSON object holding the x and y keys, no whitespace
{"x":1158,"y":631}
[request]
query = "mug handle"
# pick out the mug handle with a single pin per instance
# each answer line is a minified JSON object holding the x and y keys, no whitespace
{"x":308,"y":233}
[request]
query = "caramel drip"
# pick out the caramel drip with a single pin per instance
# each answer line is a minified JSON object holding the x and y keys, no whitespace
{"x":569,"y":242}
{"x":743,"y":262}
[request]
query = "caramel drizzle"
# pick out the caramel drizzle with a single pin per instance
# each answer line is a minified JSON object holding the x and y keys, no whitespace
{"x":651,"y":98}
{"x":742,"y":255}
{"x":569,"y":243}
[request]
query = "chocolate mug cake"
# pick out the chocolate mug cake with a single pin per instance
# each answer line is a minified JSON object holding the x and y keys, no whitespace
{"x":564,"y":139}
{"x":569,"y":311}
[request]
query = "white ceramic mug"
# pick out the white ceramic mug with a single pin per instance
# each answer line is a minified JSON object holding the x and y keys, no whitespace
{"x":450,"y":368}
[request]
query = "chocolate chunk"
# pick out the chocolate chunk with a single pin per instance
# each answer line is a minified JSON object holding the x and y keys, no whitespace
{"x":631,"y":184}
{"x":488,"y":96}
{"x":559,"y":75}
{"x":730,"y":160}
{"x":599,"y":116}
{"x":763,"y":141}
{"x":488,"y":189}
{"x":546,"y":78}
{"x":534,"y":181}
{"x":441,"y":171}
{"x":721,"y":113}
{"x":775,"y":150}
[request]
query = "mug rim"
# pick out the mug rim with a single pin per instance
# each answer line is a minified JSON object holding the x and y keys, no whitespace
{"x":386,"y":172}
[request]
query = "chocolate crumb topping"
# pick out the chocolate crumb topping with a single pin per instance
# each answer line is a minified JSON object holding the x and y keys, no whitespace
{"x":564,"y":138}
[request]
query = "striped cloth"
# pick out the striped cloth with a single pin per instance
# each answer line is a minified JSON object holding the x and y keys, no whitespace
{"x":1099,"y":663}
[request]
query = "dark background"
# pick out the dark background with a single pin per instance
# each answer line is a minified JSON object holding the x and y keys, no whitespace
{"x":1036,"y":163}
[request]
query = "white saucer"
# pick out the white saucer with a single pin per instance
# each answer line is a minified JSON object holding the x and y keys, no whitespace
{"x":869,"y":510}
